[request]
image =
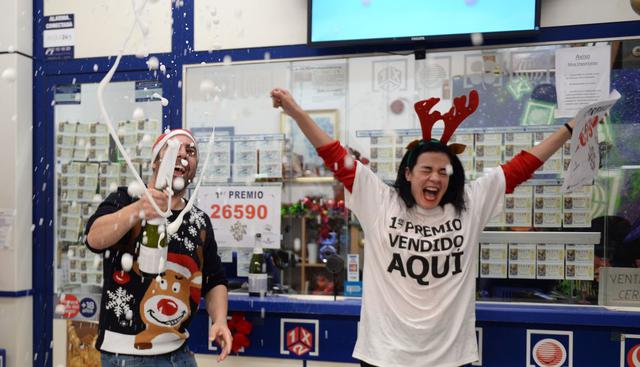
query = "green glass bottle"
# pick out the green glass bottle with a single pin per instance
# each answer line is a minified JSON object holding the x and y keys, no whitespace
{"x":153,"y":250}
{"x":257,"y":270}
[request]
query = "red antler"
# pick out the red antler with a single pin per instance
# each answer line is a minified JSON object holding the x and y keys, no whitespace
{"x":427,"y":119}
{"x":458,"y":112}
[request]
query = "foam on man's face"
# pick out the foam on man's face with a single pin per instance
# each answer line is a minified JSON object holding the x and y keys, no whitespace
{"x":186,"y":162}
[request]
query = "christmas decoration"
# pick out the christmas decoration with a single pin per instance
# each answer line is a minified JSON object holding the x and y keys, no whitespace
{"x":240,"y":329}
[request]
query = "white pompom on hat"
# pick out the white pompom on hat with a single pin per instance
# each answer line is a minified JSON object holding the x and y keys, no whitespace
{"x":164,"y":137}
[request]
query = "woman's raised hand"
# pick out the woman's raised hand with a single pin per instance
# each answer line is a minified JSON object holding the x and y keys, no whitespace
{"x":282,"y":98}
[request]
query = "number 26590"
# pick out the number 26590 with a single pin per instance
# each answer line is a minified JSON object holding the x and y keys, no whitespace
{"x":238,"y":211}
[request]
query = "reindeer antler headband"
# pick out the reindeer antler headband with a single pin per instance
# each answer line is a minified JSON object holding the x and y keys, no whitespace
{"x":452,"y":119}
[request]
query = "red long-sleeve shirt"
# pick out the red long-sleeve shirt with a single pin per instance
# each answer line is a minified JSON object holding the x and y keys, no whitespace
{"x":516,"y":171}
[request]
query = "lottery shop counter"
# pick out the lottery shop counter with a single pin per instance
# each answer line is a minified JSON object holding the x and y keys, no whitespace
{"x":321,"y":329}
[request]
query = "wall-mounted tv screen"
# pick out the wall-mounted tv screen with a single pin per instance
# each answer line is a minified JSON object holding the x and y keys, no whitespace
{"x":335,"y":22}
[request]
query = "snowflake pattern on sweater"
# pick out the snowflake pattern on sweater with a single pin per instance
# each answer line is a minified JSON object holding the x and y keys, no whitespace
{"x":119,"y":302}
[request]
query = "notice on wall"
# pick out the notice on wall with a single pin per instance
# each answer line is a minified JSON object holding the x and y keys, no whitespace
{"x":619,"y":287}
{"x":585,"y":152}
{"x":238,"y":213}
{"x":59,"y":37}
{"x":582,"y":77}
{"x":7,"y":219}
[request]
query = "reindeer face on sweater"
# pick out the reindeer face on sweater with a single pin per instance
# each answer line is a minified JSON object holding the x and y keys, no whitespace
{"x":166,"y":301}
{"x":168,"y":304}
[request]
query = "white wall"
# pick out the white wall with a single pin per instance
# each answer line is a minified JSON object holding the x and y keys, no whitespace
{"x":573,"y":12}
{"x":16,"y":316}
{"x":221,"y":24}
{"x":17,"y":330}
{"x":101,"y":27}
{"x":16,"y":26}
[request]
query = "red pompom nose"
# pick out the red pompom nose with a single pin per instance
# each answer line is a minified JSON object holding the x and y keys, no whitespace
{"x":167,"y":307}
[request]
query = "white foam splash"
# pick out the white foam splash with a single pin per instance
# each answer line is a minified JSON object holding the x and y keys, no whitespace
{"x":477,"y":39}
{"x":138,"y":114}
{"x":178,"y":183}
{"x":136,"y":189}
{"x":207,"y":87}
{"x":163,"y":101}
{"x":59,"y":309}
{"x":449,"y":169}
{"x":172,"y":227}
{"x":9,"y":75}
{"x":127,"y":262}
{"x":153,"y":63}
{"x":105,"y":116}
{"x":348,"y":161}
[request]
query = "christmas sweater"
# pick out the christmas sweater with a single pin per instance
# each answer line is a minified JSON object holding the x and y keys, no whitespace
{"x":143,"y":315}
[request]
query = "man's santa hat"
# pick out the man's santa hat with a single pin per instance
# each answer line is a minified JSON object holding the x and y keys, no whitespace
{"x":186,"y":266}
{"x":168,"y":134}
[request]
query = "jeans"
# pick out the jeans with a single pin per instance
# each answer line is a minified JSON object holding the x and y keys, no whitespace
{"x":181,"y":357}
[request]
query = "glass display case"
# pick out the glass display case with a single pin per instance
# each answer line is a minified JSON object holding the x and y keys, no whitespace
{"x":264,"y":177}
{"x":546,"y":246}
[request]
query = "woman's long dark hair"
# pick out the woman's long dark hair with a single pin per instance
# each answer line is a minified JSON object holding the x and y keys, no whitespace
{"x":455,"y":191}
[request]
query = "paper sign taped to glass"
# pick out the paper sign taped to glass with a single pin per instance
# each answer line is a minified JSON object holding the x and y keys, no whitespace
{"x":585,"y":154}
{"x":238,"y":213}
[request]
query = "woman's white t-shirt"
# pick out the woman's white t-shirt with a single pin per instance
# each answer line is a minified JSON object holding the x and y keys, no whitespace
{"x":418,"y":305}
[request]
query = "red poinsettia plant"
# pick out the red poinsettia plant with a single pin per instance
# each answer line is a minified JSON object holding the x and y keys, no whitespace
{"x":240,"y":329}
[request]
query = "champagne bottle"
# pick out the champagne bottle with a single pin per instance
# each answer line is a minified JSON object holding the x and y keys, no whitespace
{"x":154,"y":249}
{"x":257,"y":270}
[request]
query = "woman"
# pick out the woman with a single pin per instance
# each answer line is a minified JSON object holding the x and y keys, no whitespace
{"x":418,"y":305}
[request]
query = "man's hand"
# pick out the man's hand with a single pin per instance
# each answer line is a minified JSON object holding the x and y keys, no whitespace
{"x":282,"y":98}
{"x":160,"y":197}
{"x":222,"y":335}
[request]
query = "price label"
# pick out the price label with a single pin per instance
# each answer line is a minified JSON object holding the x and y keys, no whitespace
{"x":237,"y":213}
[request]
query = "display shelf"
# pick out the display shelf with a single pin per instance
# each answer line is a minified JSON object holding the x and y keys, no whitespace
{"x":576,"y":238}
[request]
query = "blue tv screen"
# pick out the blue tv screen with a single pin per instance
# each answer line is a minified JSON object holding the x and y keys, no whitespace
{"x":368,"y":21}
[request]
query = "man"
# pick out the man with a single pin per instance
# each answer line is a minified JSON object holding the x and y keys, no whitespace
{"x":145,"y":317}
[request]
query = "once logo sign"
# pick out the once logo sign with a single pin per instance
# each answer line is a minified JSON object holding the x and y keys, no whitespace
{"x":299,"y":340}
{"x":633,"y":356}
{"x":71,"y":306}
{"x":549,"y":353}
